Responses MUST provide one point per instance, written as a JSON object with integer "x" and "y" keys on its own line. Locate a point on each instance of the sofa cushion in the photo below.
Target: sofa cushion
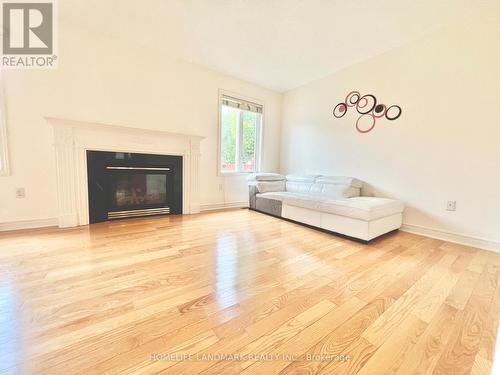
{"x": 266, "y": 177}
{"x": 325, "y": 191}
{"x": 268, "y": 186}
{"x": 276, "y": 195}
{"x": 334, "y": 191}
{"x": 303, "y": 200}
{"x": 302, "y": 177}
{"x": 340, "y": 180}
{"x": 298, "y": 187}
{"x": 329, "y": 187}
{"x": 363, "y": 208}
{"x": 294, "y": 199}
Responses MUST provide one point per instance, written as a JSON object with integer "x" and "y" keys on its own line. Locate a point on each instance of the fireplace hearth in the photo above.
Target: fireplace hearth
{"x": 125, "y": 185}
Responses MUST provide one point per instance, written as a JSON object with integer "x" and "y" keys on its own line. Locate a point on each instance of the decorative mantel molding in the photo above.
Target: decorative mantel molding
{"x": 73, "y": 138}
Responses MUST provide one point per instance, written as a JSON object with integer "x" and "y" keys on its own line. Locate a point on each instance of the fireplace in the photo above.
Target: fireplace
{"x": 124, "y": 185}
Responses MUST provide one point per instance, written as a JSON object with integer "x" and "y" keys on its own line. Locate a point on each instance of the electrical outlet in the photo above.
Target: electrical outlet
{"x": 221, "y": 188}
{"x": 20, "y": 193}
{"x": 451, "y": 206}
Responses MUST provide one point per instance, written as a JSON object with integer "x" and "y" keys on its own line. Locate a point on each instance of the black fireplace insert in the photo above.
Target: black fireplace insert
{"x": 129, "y": 184}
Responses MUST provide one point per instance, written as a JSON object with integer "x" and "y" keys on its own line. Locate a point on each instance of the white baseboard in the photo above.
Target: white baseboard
{"x": 68, "y": 220}
{"x": 461, "y": 239}
{"x": 28, "y": 224}
{"x": 222, "y": 206}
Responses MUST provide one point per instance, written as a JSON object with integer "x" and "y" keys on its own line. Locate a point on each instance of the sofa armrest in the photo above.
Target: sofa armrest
{"x": 252, "y": 192}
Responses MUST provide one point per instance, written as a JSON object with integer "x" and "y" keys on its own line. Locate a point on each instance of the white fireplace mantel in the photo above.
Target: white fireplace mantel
{"x": 73, "y": 138}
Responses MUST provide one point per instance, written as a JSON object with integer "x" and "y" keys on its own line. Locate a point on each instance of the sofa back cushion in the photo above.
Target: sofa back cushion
{"x": 302, "y": 177}
{"x": 340, "y": 180}
{"x": 336, "y": 191}
{"x": 298, "y": 187}
{"x": 300, "y": 183}
{"x": 328, "y": 187}
{"x": 270, "y": 186}
{"x": 265, "y": 177}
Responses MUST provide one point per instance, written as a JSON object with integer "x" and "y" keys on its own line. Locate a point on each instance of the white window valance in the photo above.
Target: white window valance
{"x": 244, "y": 105}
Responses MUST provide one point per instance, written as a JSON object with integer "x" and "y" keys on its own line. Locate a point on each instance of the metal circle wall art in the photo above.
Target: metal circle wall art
{"x": 368, "y": 108}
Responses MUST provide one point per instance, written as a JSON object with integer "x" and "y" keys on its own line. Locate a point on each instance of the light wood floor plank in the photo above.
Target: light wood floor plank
{"x": 106, "y": 297}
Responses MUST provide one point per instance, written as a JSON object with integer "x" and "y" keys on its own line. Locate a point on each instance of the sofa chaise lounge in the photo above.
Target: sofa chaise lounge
{"x": 333, "y": 203}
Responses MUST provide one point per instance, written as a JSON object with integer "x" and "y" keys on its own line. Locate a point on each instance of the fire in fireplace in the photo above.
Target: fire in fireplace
{"x": 128, "y": 184}
{"x": 139, "y": 188}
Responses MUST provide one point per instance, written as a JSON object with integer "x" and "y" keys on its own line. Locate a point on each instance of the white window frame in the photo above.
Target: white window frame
{"x": 258, "y": 143}
{"x": 4, "y": 159}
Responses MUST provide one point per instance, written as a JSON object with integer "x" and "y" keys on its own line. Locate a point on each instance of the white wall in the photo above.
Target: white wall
{"x": 107, "y": 81}
{"x": 445, "y": 146}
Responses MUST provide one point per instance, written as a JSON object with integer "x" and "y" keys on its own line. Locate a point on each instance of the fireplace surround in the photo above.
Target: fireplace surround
{"x": 72, "y": 140}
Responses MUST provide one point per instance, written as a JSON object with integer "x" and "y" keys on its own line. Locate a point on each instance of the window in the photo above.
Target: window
{"x": 240, "y": 127}
{"x": 4, "y": 168}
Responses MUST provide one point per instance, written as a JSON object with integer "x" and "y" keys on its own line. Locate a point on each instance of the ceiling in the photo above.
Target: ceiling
{"x": 278, "y": 44}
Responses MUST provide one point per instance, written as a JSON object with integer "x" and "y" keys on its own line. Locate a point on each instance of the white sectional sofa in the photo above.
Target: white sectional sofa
{"x": 333, "y": 203}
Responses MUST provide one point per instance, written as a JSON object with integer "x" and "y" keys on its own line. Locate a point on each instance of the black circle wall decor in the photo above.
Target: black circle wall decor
{"x": 379, "y": 111}
{"x": 340, "y": 110}
{"x": 370, "y": 104}
{"x": 393, "y": 117}
{"x": 368, "y": 108}
{"x": 352, "y": 98}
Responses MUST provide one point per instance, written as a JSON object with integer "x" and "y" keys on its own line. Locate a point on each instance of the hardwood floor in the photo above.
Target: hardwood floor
{"x": 141, "y": 295}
